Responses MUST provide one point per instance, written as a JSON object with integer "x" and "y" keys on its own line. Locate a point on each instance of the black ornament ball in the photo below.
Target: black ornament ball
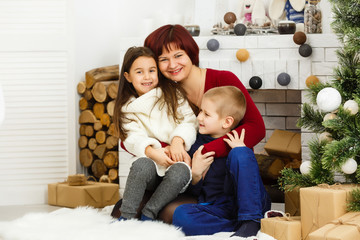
{"x": 305, "y": 50}
{"x": 213, "y": 45}
{"x": 240, "y": 29}
{"x": 283, "y": 79}
{"x": 255, "y": 82}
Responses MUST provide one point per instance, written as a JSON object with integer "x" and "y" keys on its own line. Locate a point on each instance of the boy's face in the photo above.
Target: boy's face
{"x": 209, "y": 120}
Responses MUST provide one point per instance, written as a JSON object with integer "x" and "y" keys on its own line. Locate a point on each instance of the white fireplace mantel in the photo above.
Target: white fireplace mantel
{"x": 270, "y": 55}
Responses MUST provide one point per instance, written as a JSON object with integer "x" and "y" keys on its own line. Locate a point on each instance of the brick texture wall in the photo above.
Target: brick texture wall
{"x": 280, "y": 109}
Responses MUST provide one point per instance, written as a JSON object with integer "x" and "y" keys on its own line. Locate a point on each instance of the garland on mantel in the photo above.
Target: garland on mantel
{"x": 333, "y": 113}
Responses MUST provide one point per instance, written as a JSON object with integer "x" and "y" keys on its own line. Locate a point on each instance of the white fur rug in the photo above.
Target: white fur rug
{"x": 92, "y": 224}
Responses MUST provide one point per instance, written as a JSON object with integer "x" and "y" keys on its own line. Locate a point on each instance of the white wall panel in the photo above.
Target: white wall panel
{"x": 35, "y": 74}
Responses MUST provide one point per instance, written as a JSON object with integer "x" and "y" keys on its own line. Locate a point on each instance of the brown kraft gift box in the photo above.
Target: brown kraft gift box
{"x": 93, "y": 194}
{"x": 282, "y": 228}
{"x": 285, "y": 144}
{"x": 292, "y": 201}
{"x": 347, "y": 227}
{"x": 322, "y": 204}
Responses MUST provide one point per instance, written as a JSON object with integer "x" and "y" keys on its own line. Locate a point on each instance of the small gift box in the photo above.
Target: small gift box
{"x": 282, "y": 228}
{"x": 93, "y": 194}
{"x": 292, "y": 201}
{"x": 344, "y": 228}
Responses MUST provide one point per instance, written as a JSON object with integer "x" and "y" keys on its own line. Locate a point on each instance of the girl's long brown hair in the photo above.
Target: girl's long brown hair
{"x": 171, "y": 93}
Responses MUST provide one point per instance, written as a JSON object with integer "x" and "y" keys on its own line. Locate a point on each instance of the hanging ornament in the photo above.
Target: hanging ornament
{"x": 305, "y": 50}
{"x": 213, "y": 45}
{"x": 329, "y": 116}
{"x": 311, "y": 80}
{"x": 283, "y": 79}
{"x": 229, "y": 17}
{"x": 305, "y": 167}
{"x": 351, "y": 106}
{"x": 328, "y": 99}
{"x": 240, "y": 29}
{"x": 299, "y": 38}
{"x": 255, "y": 82}
{"x": 242, "y": 55}
{"x": 349, "y": 167}
{"x": 325, "y": 136}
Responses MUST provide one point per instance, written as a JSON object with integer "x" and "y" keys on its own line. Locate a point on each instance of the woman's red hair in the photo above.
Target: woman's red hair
{"x": 166, "y": 35}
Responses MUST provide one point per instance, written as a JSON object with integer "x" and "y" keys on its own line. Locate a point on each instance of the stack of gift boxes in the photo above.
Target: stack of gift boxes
{"x": 313, "y": 213}
{"x": 323, "y": 216}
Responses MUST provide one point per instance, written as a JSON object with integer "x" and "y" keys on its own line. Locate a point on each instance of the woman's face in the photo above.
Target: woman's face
{"x": 175, "y": 64}
{"x": 143, "y": 75}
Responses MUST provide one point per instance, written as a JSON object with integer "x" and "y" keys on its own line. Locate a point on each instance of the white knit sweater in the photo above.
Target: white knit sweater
{"x": 151, "y": 124}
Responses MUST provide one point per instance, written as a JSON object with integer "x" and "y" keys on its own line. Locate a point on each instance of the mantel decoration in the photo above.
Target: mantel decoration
{"x": 332, "y": 113}
{"x": 213, "y": 45}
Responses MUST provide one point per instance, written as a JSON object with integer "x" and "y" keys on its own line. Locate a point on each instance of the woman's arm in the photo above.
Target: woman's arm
{"x": 252, "y": 122}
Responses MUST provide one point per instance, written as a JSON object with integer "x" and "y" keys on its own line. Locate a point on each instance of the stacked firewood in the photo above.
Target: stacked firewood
{"x": 98, "y": 143}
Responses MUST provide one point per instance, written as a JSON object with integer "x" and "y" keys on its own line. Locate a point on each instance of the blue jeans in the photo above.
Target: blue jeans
{"x": 250, "y": 199}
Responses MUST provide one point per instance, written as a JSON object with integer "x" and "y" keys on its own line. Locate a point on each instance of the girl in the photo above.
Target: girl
{"x": 146, "y": 112}
{"x": 178, "y": 60}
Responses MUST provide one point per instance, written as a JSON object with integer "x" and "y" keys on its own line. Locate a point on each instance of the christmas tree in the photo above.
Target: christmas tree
{"x": 333, "y": 112}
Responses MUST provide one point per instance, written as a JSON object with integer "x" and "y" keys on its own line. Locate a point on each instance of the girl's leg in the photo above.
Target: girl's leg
{"x": 142, "y": 176}
{"x": 175, "y": 179}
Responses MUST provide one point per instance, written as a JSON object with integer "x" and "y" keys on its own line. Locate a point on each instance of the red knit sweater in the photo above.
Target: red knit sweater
{"x": 252, "y": 121}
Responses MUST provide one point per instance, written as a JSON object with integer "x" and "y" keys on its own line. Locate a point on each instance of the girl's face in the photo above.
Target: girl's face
{"x": 175, "y": 64}
{"x": 143, "y": 75}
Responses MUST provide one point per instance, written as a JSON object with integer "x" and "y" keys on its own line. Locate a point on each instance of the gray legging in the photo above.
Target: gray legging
{"x": 143, "y": 177}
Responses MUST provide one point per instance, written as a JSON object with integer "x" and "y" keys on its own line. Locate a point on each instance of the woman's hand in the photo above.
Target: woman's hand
{"x": 200, "y": 164}
{"x": 234, "y": 140}
{"x": 177, "y": 151}
{"x": 159, "y": 155}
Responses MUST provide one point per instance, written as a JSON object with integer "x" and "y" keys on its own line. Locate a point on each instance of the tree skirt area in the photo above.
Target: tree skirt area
{"x": 93, "y": 224}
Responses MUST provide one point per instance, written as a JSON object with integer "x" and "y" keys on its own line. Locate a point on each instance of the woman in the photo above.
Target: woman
{"x": 178, "y": 61}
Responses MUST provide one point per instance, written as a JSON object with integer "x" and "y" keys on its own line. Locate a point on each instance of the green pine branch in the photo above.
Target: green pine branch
{"x": 311, "y": 119}
{"x": 354, "y": 204}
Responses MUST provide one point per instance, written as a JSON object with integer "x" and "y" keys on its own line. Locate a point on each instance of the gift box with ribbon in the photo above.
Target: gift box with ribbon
{"x": 285, "y": 144}
{"x": 344, "y": 228}
{"x": 94, "y": 194}
{"x": 282, "y": 228}
{"x": 322, "y": 204}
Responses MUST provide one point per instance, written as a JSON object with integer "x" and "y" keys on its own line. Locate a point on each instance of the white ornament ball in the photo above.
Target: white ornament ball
{"x": 349, "y": 167}
{"x": 329, "y": 116}
{"x": 325, "y": 136}
{"x": 328, "y": 99}
{"x": 305, "y": 167}
{"x": 352, "y": 106}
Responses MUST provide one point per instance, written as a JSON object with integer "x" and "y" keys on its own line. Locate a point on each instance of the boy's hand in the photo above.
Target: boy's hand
{"x": 159, "y": 155}
{"x": 234, "y": 140}
{"x": 200, "y": 164}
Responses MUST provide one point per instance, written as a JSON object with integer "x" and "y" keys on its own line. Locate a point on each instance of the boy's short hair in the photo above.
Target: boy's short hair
{"x": 229, "y": 101}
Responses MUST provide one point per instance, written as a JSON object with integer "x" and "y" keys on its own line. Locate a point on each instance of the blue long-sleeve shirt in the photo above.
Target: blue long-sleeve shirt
{"x": 212, "y": 186}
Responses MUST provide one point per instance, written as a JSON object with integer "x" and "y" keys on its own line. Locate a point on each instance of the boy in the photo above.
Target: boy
{"x": 216, "y": 182}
